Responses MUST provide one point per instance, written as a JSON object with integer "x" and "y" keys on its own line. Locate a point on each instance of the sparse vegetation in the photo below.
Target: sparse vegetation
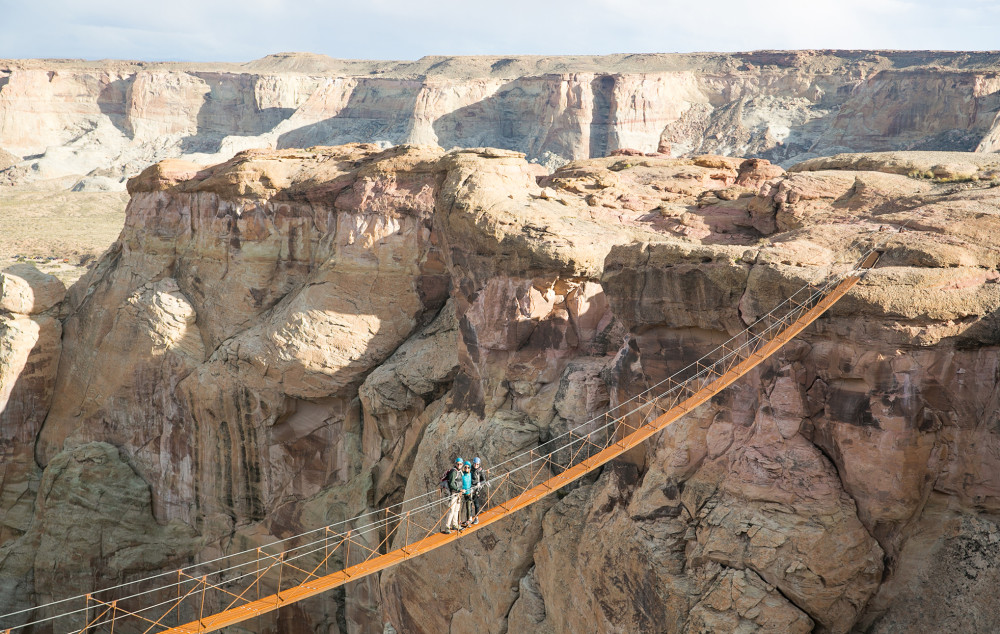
{"x": 60, "y": 232}
{"x": 929, "y": 175}
{"x": 957, "y": 179}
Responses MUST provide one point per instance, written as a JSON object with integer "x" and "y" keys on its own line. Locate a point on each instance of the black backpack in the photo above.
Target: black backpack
{"x": 443, "y": 482}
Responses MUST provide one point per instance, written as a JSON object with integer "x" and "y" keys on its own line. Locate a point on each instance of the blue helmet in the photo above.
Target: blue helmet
{"x": 468, "y": 464}
{"x": 459, "y": 461}
{"x": 476, "y": 460}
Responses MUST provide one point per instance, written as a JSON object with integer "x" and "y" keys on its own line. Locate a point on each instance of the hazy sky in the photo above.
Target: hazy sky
{"x": 228, "y": 30}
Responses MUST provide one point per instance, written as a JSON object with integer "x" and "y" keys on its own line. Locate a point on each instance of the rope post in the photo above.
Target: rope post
{"x": 114, "y": 611}
{"x": 281, "y": 570}
{"x": 258, "y": 586}
{"x": 257, "y": 565}
{"x": 326, "y": 548}
{"x": 178, "y": 610}
{"x": 201, "y": 611}
{"x": 347, "y": 550}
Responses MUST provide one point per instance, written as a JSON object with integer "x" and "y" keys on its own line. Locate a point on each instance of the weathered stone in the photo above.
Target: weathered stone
{"x": 945, "y": 576}
{"x": 944, "y": 165}
{"x": 30, "y": 347}
{"x": 740, "y": 601}
{"x": 26, "y": 290}
{"x": 399, "y": 401}
{"x": 92, "y": 525}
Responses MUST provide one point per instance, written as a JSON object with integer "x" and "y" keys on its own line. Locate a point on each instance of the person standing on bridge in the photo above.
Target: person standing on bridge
{"x": 455, "y": 502}
{"x": 477, "y": 483}
{"x": 466, "y": 491}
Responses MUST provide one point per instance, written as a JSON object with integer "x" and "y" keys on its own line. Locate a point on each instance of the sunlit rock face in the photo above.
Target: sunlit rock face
{"x": 241, "y": 299}
{"x": 30, "y": 333}
{"x": 295, "y": 337}
{"x": 95, "y": 124}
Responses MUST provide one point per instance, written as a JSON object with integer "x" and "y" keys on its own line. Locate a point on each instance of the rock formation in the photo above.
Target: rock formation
{"x": 30, "y": 333}
{"x": 293, "y": 337}
{"x": 91, "y": 125}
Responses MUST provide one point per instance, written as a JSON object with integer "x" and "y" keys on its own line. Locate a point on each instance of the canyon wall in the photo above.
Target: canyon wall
{"x": 92, "y": 125}
{"x": 294, "y": 337}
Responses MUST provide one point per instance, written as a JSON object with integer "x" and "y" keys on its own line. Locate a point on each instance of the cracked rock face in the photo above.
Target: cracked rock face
{"x": 295, "y": 337}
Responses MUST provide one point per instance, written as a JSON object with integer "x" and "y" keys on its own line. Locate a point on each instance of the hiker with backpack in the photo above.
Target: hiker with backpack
{"x": 466, "y": 491}
{"x": 476, "y": 497}
{"x": 454, "y": 482}
{"x": 479, "y": 485}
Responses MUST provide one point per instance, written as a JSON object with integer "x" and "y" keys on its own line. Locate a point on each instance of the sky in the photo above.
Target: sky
{"x": 236, "y": 31}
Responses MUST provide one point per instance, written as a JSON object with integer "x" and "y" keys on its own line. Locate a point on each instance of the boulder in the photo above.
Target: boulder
{"x": 26, "y": 290}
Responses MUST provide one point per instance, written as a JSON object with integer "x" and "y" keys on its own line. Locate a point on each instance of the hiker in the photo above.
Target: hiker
{"x": 478, "y": 477}
{"x": 455, "y": 503}
{"x": 466, "y": 490}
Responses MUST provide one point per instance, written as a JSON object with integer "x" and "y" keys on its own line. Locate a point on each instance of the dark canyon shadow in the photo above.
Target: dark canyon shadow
{"x": 377, "y": 110}
{"x": 113, "y": 103}
{"x": 523, "y": 115}
{"x": 230, "y": 109}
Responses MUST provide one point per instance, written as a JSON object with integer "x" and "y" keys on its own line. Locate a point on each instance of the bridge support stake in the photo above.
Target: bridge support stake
{"x": 201, "y": 611}
{"x": 347, "y": 553}
{"x": 178, "y": 611}
{"x": 281, "y": 569}
{"x": 86, "y": 613}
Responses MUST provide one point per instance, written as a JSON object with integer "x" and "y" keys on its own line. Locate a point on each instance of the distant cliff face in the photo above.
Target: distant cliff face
{"x": 92, "y": 125}
{"x": 298, "y": 336}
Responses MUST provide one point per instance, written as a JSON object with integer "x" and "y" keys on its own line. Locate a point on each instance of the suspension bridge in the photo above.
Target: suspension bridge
{"x": 211, "y": 595}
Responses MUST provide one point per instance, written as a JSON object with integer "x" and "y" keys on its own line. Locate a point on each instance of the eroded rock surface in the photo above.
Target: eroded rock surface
{"x": 293, "y": 337}
{"x": 30, "y": 346}
{"x": 92, "y": 525}
{"x": 92, "y": 125}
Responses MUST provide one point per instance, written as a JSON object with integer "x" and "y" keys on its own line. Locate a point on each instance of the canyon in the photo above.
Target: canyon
{"x": 294, "y": 328}
{"x": 294, "y": 337}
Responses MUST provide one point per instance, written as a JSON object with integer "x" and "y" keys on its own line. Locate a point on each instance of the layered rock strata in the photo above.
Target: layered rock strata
{"x": 91, "y": 125}
{"x": 294, "y": 337}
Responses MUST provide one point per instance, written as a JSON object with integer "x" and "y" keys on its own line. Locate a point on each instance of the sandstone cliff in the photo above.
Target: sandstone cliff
{"x": 297, "y": 336}
{"x": 91, "y": 125}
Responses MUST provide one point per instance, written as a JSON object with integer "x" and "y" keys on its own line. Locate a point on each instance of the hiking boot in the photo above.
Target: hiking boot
{"x": 475, "y": 520}
{"x": 446, "y": 531}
